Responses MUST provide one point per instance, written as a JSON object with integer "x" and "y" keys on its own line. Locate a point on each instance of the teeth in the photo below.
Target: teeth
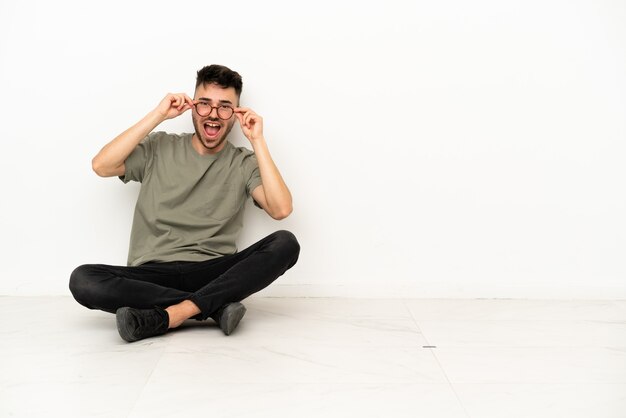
{"x": 215, "y": 125}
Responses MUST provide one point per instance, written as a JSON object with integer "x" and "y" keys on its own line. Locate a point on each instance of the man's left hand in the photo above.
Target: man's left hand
{"x": 251, "y": 123}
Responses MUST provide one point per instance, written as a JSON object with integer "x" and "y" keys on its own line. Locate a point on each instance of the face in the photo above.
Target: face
{"x": 211, "y": 131}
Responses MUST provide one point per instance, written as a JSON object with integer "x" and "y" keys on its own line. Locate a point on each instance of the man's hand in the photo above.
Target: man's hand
{"x": 174, "y": 105}
{"x": 251, "y": 123}
{"x": 110, "y": 161}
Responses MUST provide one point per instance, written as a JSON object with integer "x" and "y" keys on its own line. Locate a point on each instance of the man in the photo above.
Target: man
{"x": 182, "y": 260}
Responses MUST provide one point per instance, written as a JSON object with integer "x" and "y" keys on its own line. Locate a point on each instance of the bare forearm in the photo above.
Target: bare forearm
{"x": 113, "y": 154}
{"x": 277, "y": 196}
{"x": 277, "y": 193}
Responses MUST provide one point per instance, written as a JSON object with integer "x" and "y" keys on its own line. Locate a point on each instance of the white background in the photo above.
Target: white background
{"x": 433, "y": 149}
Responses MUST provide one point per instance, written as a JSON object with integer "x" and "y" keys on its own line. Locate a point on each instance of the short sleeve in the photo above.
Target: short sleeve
{"x": 252, "y": 175}
{"x": 138, "y": 161}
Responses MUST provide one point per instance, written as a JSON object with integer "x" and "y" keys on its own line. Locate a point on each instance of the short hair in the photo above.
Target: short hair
{"x": 220, "y": 75}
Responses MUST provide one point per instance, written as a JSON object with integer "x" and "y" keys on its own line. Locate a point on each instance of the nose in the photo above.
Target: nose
{"x": 211, "y": 112}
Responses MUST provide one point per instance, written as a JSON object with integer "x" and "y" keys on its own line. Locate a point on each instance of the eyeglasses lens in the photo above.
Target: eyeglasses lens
{"x": 223, "y": 112}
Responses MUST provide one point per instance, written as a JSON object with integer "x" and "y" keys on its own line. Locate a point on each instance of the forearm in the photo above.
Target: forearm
{"x": 113, "y": 154}
{"x": 276, "y": 191}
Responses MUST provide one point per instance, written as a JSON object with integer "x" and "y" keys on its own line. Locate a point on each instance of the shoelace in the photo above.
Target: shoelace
{"x": 150, "y": 320}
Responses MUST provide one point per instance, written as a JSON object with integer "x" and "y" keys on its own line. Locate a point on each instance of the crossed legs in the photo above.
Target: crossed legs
{"x": 186, "y": 289}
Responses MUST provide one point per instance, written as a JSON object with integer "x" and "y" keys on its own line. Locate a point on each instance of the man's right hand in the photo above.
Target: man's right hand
{"x": 110, "y": 161}
{"x": 174, "y": 105}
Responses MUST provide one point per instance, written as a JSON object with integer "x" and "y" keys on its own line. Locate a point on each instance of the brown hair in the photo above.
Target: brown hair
{"x": 220, "y": 75}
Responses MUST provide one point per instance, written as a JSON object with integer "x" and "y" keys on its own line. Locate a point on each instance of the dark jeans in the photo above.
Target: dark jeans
{"x": 209, "y": 284}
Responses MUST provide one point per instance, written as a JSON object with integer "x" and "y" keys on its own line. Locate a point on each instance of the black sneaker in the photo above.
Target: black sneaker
{"x": 228, "y": 316}
{"x": 136, "y": 324}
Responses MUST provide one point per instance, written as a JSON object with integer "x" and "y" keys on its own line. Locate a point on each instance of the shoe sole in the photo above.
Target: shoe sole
{"x": 122, "y": 325}
{"x": 233, "y": 314}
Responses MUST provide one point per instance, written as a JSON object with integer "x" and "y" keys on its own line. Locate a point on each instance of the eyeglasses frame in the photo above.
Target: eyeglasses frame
{"x": 195, "y": 105}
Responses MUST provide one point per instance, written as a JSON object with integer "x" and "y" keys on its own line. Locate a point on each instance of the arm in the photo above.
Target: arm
{"x": 110, "y": 160}
{"x": 273, "y": 195}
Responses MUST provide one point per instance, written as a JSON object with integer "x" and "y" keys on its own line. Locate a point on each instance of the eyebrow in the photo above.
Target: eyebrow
{"x": 206, "y": 99}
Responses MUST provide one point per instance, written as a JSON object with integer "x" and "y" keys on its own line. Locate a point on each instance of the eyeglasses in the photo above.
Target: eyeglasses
{"x": 223, "y": 112}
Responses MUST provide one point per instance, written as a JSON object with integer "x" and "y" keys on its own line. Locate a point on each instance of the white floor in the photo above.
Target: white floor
{"x": 321, "y": 357}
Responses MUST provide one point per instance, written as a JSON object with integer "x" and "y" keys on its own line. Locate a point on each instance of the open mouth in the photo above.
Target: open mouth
{"x": 212, "y": 129}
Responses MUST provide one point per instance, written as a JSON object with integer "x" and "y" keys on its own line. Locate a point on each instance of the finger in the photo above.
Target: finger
{"x": 183, "y": 99}
{"x": 242, "y": 117}
{"x": 242, "y": 109}
{"x": 242, "y": 123}
{"x": 239, "y": 118}
{"x": 174, "y": 101}
{"x": 247, "y": 113}
{"x": 249, "y": 118}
